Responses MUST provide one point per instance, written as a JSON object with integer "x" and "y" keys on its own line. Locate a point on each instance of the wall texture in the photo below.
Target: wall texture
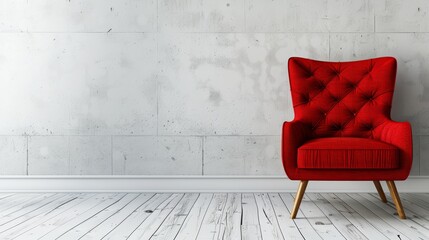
{"x": 184, "y": 87}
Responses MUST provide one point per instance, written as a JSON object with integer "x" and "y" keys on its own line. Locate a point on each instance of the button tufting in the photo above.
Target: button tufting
{"x": 337, "y": 127}
{"x": 305, "y": 99}
{"x": 369, "y": 97}
{"x": 368, "y": 127}
{"x": 350, "y": 96}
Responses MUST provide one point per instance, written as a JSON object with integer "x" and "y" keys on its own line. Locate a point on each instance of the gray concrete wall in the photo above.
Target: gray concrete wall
{"x": 184, "y": 87}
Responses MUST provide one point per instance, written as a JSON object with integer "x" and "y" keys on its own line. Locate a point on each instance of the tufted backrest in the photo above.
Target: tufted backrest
{"x": 342, "y": 99}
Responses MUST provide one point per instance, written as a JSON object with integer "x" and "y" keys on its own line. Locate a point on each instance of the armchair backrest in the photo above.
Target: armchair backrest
{"x": 342, "y": 99}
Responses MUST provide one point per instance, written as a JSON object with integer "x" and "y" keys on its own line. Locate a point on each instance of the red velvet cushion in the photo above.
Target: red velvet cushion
{"x": 347, "y": 153}
{"x": 342, "y": 99}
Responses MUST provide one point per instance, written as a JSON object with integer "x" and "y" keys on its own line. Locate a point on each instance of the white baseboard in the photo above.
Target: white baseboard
{"x": 190, "y": 184}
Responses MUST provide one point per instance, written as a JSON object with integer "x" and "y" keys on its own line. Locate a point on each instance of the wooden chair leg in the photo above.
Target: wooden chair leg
{"x": 395, "y": 195}
{"x": 298, "y": 198}
{"x": 380, "y": 191}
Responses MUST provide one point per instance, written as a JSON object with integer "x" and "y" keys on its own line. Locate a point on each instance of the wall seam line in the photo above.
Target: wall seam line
{"x": 27, "y": 156}
{"x": 202, "y": 154}
{"x": 245, "y": 17}
{"x": 157, "y": 84}
{"x": 111, "y": 154}
{"x": 329, "y": 46}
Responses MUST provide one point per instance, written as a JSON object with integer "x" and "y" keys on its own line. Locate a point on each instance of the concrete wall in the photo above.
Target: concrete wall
{"x": 184, "y": 87}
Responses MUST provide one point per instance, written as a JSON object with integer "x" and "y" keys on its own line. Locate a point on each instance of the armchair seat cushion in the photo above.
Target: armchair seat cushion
{"x": 347, "y": 153}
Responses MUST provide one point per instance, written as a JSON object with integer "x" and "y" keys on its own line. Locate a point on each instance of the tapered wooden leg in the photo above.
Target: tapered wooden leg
{"x": 380, "y": 191}
{"x": 298, "y": 198}
{"x": 395, "y": 195}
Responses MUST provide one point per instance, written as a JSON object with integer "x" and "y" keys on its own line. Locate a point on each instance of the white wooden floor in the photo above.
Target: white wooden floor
{"x": 209, "y": 216}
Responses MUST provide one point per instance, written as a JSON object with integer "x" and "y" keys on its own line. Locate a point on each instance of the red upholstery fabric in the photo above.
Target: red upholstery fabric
{"x": 347, "y": 153}
{"x": 344, "y": 99}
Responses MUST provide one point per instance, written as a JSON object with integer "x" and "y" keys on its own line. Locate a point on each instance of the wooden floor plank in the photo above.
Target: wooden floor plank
{"x": 172, "y": 224}
{"x": 414, "y": 212}
{"x": 154, "y": 221}
{"x": 22, "y": 206}
{"x": 411, "y": 202}
{"x": 211, "y": 222}
{"x": 250, "y": 227}
{"x": 417, "y": 199}
{"x": 137, "y": 217}
{"x": 287, "y": 225}
{"x": 354, "y": 217}
{"x": 7, "y": 199}
{"x": 10, "y": 219}
{"x": 11, "y": 201}
{"x": 24, "y": 226}
{"x": 410, "y": 222}
{"x": 304, "y": 226}
{"x": 34, "y": 232}
{"x": 390, "y": 207}
{"x": 234, "y": 216}
{"x": 231, "y": 218}
{"x": 269, "y": 226}
{"x": 344, "y": 226}
{"x": 379, "y": 223}
{"x": 43, "y": 210}
{"x": 189, "y": 229}
{"x": 423, "y": 198}
{"x": 58, "y": 225}
{"x": 5, "y": 195}
{"x": 319, "y": 221}
{"x": 389, "y": 216}
{"x": 112, "y": 222}
{"x": 78, "y": 231}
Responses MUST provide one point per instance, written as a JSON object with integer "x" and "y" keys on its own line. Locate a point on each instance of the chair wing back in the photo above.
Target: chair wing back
{"x": 342, "y": 99}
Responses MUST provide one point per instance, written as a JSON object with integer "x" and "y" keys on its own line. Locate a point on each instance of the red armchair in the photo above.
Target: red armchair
{"x": 342, "y": 128}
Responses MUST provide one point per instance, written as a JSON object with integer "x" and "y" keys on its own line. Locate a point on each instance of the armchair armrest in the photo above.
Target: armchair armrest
{"x": 294, "y": 134}
{"x": 398, "y": 134}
